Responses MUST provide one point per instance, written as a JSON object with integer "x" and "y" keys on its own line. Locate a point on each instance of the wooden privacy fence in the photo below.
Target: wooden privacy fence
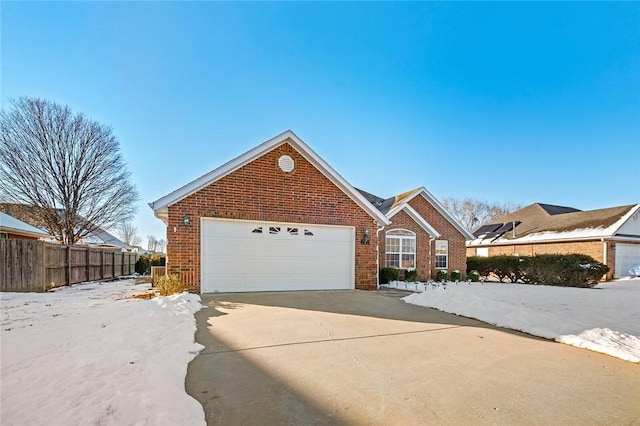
{"x": 157, "y": 272}
{"x": 29, "y": 265}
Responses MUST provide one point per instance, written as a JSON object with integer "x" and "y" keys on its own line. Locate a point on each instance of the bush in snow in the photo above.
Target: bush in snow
{"x": 170, "y": 284}
{"x": 411, "y": 275}
{"x": 567, "y": 270}
{"x": 442, "y": 276}
{"x": 456, "y": 275}
{"x": 570, "y": 270}
{"x": 388, "y": 274}
{"x": 474, "y": 276}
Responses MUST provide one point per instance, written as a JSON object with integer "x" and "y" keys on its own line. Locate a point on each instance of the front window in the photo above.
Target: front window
{"x": 442, "y": 254}
{"x": 400, "y": 249}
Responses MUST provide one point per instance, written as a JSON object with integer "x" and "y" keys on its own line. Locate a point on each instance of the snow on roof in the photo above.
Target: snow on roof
{"x": 11, "y": 224}
{"x": 540, "y": 224}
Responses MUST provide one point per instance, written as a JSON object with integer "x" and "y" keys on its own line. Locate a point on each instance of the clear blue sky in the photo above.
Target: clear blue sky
{"x": 507, "y": 102}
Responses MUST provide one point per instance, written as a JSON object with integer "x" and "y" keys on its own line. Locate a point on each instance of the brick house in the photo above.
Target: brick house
{"x": 611, "y": 236}
{"x": 278, "y": 217}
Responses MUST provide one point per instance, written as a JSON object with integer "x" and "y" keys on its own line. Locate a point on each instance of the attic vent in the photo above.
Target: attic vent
{"x": 286, "y": 163}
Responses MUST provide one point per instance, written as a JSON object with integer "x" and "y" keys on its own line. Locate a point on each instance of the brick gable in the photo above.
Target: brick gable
{"x": 260, "y": 190}
{"x": 457, "y": 241}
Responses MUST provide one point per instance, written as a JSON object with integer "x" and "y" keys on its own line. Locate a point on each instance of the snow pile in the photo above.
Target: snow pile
{"x": 91, "y": 354}
{"x": 605, "y": 318}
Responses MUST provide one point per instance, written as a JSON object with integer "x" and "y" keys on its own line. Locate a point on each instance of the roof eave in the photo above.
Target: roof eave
{"x": 23, "y": 232}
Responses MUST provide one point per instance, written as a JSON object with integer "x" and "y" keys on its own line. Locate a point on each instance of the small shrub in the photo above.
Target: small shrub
{"x": 388, "y": 274}
{"x": 442, "y": 275}
{"x": 157, "y": 260}
{"x": 142, "y": 265}
{"x": 169, "y": 284}
{"x": 474, "y": 276}
{"x": 456, "y": 276}
{"x": 411, "y": 275}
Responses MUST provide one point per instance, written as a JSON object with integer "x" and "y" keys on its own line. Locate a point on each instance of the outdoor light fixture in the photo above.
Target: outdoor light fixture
{"x": 365, "y": 236}
{"x": 185, "y": 220}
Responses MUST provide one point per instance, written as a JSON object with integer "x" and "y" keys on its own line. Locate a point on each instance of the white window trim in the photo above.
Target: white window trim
{"x": 389, "y": 234}
{"x": 446, "y": 255}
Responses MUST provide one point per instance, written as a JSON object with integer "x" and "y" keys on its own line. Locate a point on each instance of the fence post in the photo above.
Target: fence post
{"x": 68, "y": 264}
{"x": 88, "y": 265}
{"x": 43, "y": 246}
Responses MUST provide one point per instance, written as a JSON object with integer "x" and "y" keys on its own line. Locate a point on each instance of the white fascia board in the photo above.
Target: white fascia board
{"x": 23, "y": 232}
{"x": 416, "y": 217}
{"x": 258, "y": 151}
{"x": 337, "y": 179}
{"x": 620, "y": 223}
{"x": 161, "y": 213}
{"x": 443, "y": 211}
{"x": 9, "y": 223}
{"x": 220, "y": 172}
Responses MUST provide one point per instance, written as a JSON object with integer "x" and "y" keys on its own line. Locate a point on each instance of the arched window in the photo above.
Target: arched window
{"x": 400, "y": 249}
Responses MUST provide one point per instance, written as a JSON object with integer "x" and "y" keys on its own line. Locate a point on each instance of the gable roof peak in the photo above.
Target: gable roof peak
{"x": 160, "y": 207}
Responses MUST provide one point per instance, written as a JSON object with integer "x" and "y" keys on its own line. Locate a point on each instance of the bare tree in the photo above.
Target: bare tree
{"x": 129, "y": 233}
{"x": 161, "y": 245}
{"x": 472, "y": 213}
{"x": 65, "y": 167}
{"x": 152, "y": 243}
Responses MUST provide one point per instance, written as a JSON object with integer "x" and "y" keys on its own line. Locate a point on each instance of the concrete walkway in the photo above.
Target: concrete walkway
{"x": 356, "y": 357}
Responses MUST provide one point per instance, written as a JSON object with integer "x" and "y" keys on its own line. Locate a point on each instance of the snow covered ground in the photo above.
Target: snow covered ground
{"x": 92, "y": 355}
{"x": 604, "y": 319}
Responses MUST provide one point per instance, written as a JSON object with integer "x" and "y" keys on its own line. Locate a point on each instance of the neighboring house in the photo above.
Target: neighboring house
{"x": 102, "y": 238}
{"x": 280, "y": 218}
{"x": 611, "y": 236}
{"x": 10, "y": 227}
{"x": 98, "y": 238}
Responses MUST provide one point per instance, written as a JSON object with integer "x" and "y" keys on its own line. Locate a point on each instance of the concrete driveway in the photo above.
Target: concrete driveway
{"x": 356, "y": 357}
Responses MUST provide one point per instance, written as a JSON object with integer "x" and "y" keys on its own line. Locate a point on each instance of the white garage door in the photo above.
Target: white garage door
{"x": 627, "y": 255}
{"x": 266, "y": 256}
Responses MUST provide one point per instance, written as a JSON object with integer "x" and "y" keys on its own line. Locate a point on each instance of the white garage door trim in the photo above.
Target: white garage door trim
{"x": 242, "y": 256}
{"x": 627, "y": 255}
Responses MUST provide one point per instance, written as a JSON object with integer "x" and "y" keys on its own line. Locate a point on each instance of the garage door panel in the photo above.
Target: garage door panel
{"x": 627, "y": 255}
{"x": 262, "y": 256}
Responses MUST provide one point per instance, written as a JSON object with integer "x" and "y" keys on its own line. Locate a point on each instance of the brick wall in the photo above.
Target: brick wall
{"x": 457, "y": 241}
{"x": 261, "y": 191}
{"x": 425, "y": 249}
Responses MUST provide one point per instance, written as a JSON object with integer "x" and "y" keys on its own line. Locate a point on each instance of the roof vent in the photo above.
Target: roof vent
{"x": 286, "y": 163}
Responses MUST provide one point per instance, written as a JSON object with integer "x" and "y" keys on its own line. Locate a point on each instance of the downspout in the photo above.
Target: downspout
{"x": 604, "y": 253}
{"x": 378, "y": 257}
{"x": 431, "y": 240}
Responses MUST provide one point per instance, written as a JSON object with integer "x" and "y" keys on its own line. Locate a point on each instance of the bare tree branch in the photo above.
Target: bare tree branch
{"x": 66, "y": 166}
{"x": 152, "y": 243}
{"x": 474, "y": 213}
{"x": 129, "y": 233}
